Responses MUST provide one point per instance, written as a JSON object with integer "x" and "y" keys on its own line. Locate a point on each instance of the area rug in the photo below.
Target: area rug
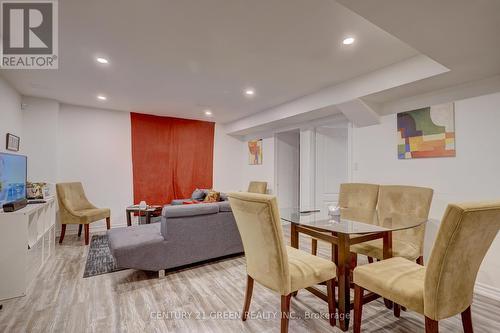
{"x": 99, "y": 259}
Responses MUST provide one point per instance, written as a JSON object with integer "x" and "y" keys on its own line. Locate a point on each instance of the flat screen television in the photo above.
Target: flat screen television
{"x": 13, "y": 171}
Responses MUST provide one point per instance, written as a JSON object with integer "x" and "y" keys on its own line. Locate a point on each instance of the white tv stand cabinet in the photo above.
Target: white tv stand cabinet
{"x": 27, "y": 242}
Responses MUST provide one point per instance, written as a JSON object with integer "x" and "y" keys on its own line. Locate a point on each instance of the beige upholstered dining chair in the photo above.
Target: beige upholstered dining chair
{"x": 409, "y": 244}
{"x": 354, "y": 195}
{"x": 257, "y": 187}
{"x": 445, "y": 287}
{"x": 358, "y": 195}
{"x": 75, "y": 208}
{"x": 281, "y": 268}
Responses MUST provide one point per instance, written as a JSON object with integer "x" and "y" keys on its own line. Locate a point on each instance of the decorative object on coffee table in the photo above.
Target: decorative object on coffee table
{"x": 12, "y": 142}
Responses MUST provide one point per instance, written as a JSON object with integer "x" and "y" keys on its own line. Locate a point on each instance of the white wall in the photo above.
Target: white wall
{"x": 231, "y": 169}
{"x": 471, "y": 175}
{"x": 10, "y": 114}
{"x": 40, "y": 127}
{"x": 227, "y": 157}
{"x": 287, "y": 165}
{"x": 95, "y": 148}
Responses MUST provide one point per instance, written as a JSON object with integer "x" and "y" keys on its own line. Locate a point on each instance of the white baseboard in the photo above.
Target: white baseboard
{"x": 72, "y": 229}
{"x": 99, "y": 228}
{"x": 487, "y": 291}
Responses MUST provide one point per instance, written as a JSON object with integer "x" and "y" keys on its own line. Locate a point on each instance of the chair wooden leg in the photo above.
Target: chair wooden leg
{"x": 87, "y": 233}
{"x": 285, "y": 312}
{"x": 80, "y": 227}
{"x": 248, "y": 298}
{"x": 108, "y": 223}
{"x": 467, "y": 321}
{"x": 314, "y": 246}
{"x": 388, "y": 303}
{"x": 397, "y": 310}
{"x": 431, "y": 326}
{"x": 63, "y": 231}
{"x": 330, "y": 291}
{"x": 420, "y": 260}
{"x": 370, "y": 260}
{"x": 358, "y": 308}
{"x": 354, "y": 260}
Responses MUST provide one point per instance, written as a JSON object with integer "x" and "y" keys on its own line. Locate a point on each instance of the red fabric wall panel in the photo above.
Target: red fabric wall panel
{"x": 171, "y": 157}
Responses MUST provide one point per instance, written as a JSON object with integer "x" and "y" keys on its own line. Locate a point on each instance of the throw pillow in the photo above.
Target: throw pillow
{"x": 212, "y": 196}
{"x": 198, "y": 194}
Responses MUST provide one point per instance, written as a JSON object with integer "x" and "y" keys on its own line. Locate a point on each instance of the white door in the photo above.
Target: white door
{"x": 287, "y": 147}
{"x": 331, "y": 165}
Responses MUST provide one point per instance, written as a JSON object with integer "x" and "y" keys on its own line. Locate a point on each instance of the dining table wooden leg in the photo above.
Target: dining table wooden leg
{"x": 294, "y": 236}
{"x": 314, "y": 246}
{"x": 387, "y": 253}
{"x": 344, "y": 281}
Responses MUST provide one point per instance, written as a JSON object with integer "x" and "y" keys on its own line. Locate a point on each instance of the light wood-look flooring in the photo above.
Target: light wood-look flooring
{"x": 134, "y": 301}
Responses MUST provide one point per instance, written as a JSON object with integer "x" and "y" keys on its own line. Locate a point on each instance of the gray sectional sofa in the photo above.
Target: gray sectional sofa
{"x": 187, "y": 234}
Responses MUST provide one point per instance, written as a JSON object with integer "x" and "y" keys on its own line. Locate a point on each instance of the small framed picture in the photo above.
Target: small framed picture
{"x": 12, "y": 142}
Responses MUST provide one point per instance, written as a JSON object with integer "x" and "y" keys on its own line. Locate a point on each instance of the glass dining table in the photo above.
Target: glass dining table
{"x": 352, "y": 226}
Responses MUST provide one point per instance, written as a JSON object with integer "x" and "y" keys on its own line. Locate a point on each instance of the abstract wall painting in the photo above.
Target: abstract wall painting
{"x": 427, "y": 132}
{"x": 255, "y": 152}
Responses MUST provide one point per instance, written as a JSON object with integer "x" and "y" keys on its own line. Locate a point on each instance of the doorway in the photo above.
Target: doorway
{"x": 287, "y": 170}
{"x": 331, "y": 164}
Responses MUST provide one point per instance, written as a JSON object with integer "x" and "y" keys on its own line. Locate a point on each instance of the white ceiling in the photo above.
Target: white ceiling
{"x": 179, "y": 57}
{"x": 459, "y": 34}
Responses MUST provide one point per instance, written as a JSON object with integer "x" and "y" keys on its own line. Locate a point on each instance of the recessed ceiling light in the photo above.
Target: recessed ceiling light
{"x": 208, "y": 113}
{"x": 249, "y": 92}
{"x": 101, "y": 97}
{"x": 102, "y": 60}
{"x": 348, "y": 41}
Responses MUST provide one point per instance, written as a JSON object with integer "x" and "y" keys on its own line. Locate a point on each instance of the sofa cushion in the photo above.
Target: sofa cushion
{"x": 132, "y": 237}
{"x": 224, "y": 206}
{"x": 190, "y": 210}
{"x": 137, "y": 246}
{"x": 178, "y": 201}
{"x": 198, "y": 195}
{"x": 223, "y": 196}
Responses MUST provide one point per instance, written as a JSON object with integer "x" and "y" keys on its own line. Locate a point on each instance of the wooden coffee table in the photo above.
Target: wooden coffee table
{"x": 148, "y": 212}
